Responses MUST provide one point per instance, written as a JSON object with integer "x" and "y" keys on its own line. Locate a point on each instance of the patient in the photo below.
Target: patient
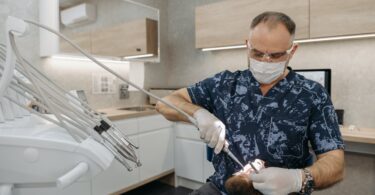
{"x": 240, "y": 183}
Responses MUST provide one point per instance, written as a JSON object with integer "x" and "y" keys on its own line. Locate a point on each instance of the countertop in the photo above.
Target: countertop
{"x": 361, "y": 135}
{"x": 116, "y": 113}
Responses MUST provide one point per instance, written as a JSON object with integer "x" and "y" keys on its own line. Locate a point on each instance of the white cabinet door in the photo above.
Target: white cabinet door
{"x": 188, "y": 131}
{"x": 116, "y": 177}
{"x": 153, "y": 122}
{"x": 189, "y": 158}
{"x": 156, "y": 152}
{"x": 127, "y": 126}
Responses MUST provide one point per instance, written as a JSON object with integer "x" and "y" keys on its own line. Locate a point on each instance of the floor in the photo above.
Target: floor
{"x": 158, "y": 188}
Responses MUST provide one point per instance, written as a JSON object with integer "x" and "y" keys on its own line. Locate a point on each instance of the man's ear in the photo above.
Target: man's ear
{"x": 295, "y": 47}
{"x": 247, "y": 43}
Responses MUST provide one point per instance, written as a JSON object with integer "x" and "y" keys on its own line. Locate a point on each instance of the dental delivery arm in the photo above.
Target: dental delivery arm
{"x": 77, "y": 119}
{"x": 328, "y": 169}
{"x": 21, "y": 81}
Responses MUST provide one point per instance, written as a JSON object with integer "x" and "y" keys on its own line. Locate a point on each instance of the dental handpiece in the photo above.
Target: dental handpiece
{"x": 235, "y": 159}
{"x": 232, "y": 156}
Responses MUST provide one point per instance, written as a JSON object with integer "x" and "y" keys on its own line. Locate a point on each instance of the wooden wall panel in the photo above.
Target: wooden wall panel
{"x": 227, "y": 23}
{"x": 82, "y": 39}
{"x": 127, "y": 39}
{"x": 341, "y": 17}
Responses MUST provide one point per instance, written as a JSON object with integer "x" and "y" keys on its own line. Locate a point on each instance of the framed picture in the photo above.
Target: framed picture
{"x": 322, "y": 76}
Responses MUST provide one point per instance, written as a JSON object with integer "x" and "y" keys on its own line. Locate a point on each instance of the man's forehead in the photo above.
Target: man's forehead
{"x": 264, "y": 37}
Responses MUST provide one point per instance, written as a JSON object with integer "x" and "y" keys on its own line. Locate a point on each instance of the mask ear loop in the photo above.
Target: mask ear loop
{"x": 247, "y": 53}
{"x": 289, "y": 51}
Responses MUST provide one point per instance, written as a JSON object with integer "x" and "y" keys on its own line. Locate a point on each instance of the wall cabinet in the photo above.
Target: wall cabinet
{"x": 128, "y": 39}
{"x": 82, "y": 39}
{"x": 341, "y": 17}
{"x": 227, "y": 23}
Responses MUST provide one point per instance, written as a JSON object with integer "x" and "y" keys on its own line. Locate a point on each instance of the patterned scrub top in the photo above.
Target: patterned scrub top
{"x": 276, "y": 128}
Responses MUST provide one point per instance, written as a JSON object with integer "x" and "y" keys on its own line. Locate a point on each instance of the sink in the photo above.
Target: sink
{"x": 138, "y": 108}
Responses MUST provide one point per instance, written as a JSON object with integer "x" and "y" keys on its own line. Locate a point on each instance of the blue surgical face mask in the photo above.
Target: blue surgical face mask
{"x": 266, "y": 72}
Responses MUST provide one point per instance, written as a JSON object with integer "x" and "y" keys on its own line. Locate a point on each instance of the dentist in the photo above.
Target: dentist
{"x": 267, "y": 112}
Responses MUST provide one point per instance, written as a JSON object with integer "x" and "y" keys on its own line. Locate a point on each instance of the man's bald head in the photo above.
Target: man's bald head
{"x": 272, "y": 19}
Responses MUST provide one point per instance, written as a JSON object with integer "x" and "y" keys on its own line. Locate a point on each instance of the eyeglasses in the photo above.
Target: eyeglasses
{"x": 254, "y": 53}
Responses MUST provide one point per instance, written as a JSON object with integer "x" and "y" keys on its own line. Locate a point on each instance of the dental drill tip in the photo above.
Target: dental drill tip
{"x": 234, "y": 158}
{"x": 130, "y": 169}
{"x": 139, "y": 163}
{"x": 255, "y": 169}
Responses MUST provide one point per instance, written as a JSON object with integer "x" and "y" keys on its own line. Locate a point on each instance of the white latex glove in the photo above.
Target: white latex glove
{"x": 280, "y": 181}
{"x": 211, "y": 129}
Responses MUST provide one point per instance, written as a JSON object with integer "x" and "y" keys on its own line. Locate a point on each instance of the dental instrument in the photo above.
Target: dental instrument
{"x": 233, "y": 157}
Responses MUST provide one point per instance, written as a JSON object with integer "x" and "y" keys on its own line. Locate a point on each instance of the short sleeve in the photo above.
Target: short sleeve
{"x": 204, "y": 92}
{"x": 201, "y": 93}
{"x": 324, "y": 132}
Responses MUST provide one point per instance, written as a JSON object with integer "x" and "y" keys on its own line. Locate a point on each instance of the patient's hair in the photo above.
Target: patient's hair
{"x": 240, "y": 185}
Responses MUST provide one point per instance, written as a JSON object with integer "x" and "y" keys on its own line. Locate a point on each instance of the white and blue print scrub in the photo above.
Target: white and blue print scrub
{"x": 276, "y": 127}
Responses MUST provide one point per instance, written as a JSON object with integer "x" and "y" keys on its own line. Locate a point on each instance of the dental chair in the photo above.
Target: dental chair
{"x": 47, "y": 153}
{"x": 37, "y": 154}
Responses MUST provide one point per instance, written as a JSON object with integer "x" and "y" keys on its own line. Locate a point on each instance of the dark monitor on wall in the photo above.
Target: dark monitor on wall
{"x": 322, "y": 76}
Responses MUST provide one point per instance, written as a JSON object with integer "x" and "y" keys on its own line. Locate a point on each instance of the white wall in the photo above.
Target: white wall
{"x": 73, "y": 74}
{"x": 22, "y": 9}
{"x": 353, "y": 71}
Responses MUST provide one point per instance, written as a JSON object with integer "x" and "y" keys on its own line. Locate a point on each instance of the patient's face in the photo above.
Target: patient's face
{"x": 240, "y": 183}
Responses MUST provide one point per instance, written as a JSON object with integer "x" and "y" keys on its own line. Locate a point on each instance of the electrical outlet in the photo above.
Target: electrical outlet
{"x": 103, "y": 83}
{"x": 124, "y": 91}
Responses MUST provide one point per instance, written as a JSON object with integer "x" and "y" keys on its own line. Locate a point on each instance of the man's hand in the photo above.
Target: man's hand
{"x": 211, "y": 129}
{"x": 280, "y": 181}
